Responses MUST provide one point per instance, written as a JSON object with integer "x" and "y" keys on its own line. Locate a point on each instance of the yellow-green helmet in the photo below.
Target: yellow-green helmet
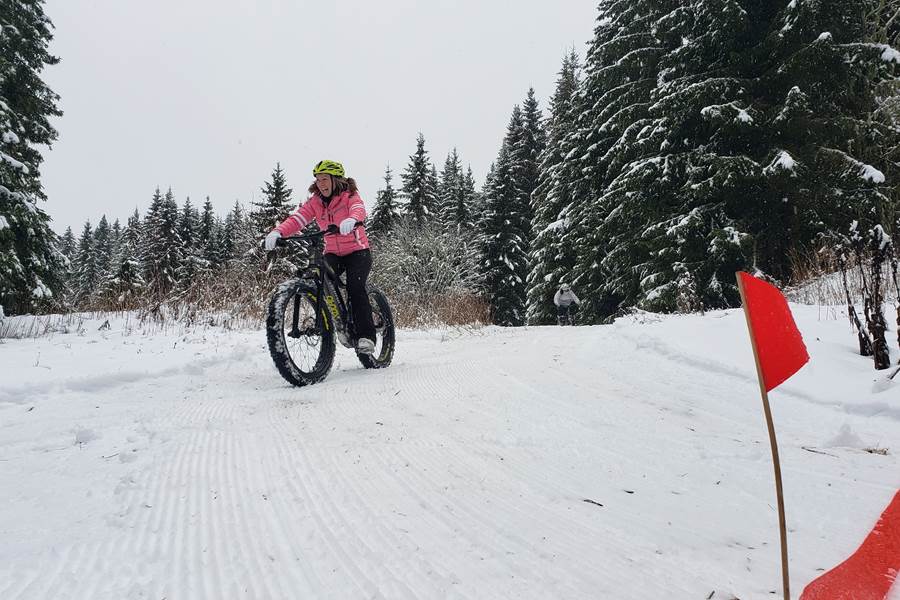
{"x": 331, "y": 167}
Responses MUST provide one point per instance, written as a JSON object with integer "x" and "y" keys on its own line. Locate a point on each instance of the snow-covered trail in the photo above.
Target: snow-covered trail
{"x": 624, "y": 461}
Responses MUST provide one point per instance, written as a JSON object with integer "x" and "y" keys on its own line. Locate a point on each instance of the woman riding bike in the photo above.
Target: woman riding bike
{"x": 335, "y": 200}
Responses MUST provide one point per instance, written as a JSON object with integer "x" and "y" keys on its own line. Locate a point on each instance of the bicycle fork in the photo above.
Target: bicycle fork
{"x": 295, "y": 332}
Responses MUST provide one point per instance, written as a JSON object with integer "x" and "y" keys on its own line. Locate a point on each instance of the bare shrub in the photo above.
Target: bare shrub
{"x": 818, "y": 281}
{"x": 430, "y": 276}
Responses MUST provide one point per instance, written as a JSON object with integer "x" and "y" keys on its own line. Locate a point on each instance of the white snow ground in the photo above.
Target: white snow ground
{"x": 626, "y": 462}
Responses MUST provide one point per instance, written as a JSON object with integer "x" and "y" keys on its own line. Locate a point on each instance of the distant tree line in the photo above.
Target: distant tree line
{"x": 695, "y": 139}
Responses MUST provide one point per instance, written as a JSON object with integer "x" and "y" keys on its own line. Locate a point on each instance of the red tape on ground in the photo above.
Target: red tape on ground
{"x": 870, "y": 572}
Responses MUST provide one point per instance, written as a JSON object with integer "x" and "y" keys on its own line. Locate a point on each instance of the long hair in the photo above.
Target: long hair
{"x": 339, "y": 186}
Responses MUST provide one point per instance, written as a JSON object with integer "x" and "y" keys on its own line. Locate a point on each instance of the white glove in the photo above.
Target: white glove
{"x": 347, "y": 225}
{"x": 272, "y": 239}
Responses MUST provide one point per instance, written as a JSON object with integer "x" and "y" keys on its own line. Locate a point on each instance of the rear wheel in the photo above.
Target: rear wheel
{"x": 302, "y": 352}
{"x": 384, "y": 332}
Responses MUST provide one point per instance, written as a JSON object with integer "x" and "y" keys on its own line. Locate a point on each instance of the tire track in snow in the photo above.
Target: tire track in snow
{"x": 201, "y": 457}
{"x": 425, "y": 384}
{"x": 332, "y": 523}
{"x": 462, "y": 457}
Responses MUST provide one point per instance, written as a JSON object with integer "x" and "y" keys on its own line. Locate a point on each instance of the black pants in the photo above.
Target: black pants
{"x": 357, "y": 266}
{"x": 568, "y": 310}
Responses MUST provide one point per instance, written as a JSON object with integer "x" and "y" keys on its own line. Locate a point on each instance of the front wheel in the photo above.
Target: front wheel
{"x": 301, "y": 350}
{"x": 384, "y": 332}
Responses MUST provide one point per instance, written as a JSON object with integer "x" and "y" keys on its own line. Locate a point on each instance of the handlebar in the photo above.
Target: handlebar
{"x": 313, "y": 235}
{"x": 330, "y": 230}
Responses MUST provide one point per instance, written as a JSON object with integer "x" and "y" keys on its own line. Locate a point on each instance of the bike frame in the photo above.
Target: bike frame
{"x": 329, "y": 286}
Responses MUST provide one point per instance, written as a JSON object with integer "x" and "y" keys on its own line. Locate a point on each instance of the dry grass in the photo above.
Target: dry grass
{"x": 821, "y": 281}
{"x": 448, "y": 310}
{"x": 236, "y": 300}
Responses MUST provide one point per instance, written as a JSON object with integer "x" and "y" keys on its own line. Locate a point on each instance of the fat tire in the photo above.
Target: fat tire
{"x": 278, "y": 347}
{"x": 385, "y": 336}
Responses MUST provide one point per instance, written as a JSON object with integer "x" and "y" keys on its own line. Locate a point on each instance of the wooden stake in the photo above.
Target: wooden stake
{"x": 785, "y": 577}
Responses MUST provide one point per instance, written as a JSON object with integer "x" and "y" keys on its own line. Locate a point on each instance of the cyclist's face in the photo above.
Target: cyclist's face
{"x": 324, "y": 183}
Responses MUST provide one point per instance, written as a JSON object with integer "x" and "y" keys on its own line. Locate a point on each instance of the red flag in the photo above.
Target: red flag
{"x": 870, "y": 572}
{"x": 776, "y": 340}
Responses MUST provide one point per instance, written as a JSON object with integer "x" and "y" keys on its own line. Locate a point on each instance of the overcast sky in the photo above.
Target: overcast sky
{"x": 204, "y": 96}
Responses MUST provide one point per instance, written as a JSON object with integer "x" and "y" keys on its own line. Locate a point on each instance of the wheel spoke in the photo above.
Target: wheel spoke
{"x": 302, "y": 340}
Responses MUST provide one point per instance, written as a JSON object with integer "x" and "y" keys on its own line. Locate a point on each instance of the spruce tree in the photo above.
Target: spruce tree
{"x": 385, "y": 213}
{"x": 449, "y": 189}
{"x": 192, "y": 261}
{"x": 216, "y": 252}
{"x": 238, "y": 236}
{"x": 508, "y": 212}
{"x": 189, "y": 226}
{"x": 208, "y": 236}
{"x": 609, "y": 108}
{"x": 467, "y": 207}
{"x": 103, "y": 251}
{"x": 534, "y": 143}
{"x": 31, "y": 266}
{"x": 713, "y": 137}
{"x": 67, "y": 244}
{"x": 207, "y": 220}
{"x": 458, "y": 196}
{"x": 505, "y": 227}
{"x": 86, "y": 278}
{"x": 161, "y": 252}
{"x": 275, "y": 205}
{"x": 552, "y": 253}
{"x": 419, "y": 186}
{"x": 125, "y": 288}
{"x": 115, "y": 238}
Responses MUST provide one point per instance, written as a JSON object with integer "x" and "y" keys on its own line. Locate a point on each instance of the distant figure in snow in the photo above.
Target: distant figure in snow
{"x": 566, "y": 304}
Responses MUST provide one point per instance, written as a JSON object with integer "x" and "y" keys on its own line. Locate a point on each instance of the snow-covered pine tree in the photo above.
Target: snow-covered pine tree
{"x": 215, "y": 252}
{"x": 189, "y": 226}
{"x": 458, "y": 196}
{"x": 434, "y": 184}
{"x": 534, "y": 143}
{"x": 192, "y": 262}
{"x": 209, "y": 236}
{"x": 469, "y": 203}
{"x": 450, "y": 191}
{"x": 125, "y": 288}
{"x": 418, "y": 191}
{"x": 86, "y": 278}
{"x": 68, "y": 247}
{"x": 148, "y": 234}
{"x": 275, "y": 205}
{"x": 161, "y": 251}
{"x": 31, "y": 267}
{"x": 67, "y": 244}
{"x": 832, "y": 140}
{"x": 742, "y": 151}
{"x": 505, "y": 224}
{"x": 386, "y": 212}
{"x": 115, "y": 238}
{"x": 552, "y": 255}
{"x": 486, "y": 191}
{"x": 103, "y": 252}
{"x": 883, "y": 29}
{"x": 238, "y": 237}
{"x": 609, "y": 108}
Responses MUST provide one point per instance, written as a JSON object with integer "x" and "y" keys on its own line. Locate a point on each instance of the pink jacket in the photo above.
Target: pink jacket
{"x": 339, "y": 208}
